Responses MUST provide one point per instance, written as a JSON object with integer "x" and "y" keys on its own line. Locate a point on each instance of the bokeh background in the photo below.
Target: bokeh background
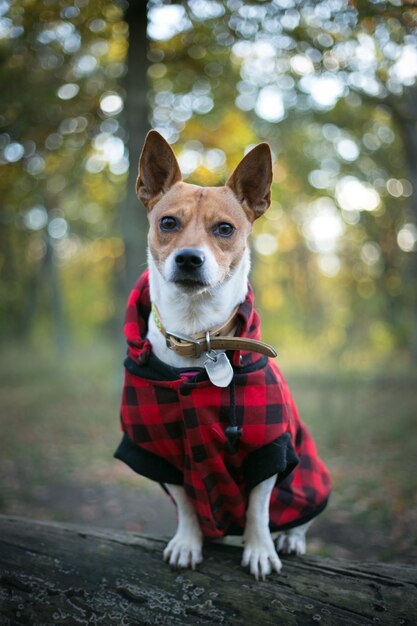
{"x": 331, "y": 85}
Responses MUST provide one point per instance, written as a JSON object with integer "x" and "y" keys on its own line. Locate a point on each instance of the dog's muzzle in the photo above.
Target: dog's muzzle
{"x": 189, "y": 268}
{"x": 189, "y": 260}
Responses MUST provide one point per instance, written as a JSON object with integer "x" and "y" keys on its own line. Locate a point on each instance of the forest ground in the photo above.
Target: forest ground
{"x": 59, "y": 429}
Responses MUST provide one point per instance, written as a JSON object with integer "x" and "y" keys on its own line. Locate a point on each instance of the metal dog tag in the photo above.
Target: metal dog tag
{"x": 218, "y": 368}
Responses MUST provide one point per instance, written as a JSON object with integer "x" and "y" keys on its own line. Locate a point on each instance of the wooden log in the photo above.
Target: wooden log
{"x": 68, "y": 574}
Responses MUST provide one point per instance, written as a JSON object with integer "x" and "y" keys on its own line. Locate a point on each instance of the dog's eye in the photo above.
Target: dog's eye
{"x": 223, "y": 229}
{"x": 169, "y": 223}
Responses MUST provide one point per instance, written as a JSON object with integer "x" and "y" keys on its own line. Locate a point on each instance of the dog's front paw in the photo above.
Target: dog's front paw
{"x": 260, "y": 554}
{"x": 184, "y": 550}
{"x": 292, "y": 543}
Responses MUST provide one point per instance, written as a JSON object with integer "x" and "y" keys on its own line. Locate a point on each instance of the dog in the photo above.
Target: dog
{"x": 205, "y": 409}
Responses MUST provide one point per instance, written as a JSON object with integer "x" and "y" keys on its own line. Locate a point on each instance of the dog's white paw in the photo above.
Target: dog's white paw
{"x": 184, "y": 550}
{"x": 292, "y": 542}
{"x": 260, "y": 554}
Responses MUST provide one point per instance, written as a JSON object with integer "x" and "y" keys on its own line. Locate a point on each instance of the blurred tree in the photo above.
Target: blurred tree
{"x": 62, "y": 149}
{"x": 330, "y": 85}
{"x": 326, "y": 84}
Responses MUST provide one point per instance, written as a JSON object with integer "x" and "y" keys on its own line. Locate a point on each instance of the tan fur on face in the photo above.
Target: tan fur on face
{"x": 199, "y": 210}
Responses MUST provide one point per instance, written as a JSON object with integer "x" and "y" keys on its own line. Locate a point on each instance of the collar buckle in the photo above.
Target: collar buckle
{"x": 183, "y": 338}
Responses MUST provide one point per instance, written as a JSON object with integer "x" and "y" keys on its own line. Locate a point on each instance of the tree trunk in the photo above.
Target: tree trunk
{"x": 134, "y": 223}
{"x": 405, "y": 115}
{"x": 52, "y": 283}
{"x": 67, "y": 574}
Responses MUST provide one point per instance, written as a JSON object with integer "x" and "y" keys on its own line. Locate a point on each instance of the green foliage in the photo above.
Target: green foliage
{"x": 331, "y": 87}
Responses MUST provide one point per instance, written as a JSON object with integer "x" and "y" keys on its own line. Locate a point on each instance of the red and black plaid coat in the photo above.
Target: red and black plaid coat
{"x": 174, "y": 430}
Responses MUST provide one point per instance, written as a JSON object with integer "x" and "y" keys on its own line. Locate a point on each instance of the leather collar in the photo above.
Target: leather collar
{"x": 217, "y": 338}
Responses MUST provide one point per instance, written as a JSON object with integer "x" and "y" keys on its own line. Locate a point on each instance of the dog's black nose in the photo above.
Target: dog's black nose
{"x": 189, "y": 259}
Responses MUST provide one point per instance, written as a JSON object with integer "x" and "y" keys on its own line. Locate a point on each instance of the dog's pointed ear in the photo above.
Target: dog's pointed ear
{"x": 251, "y": 181}
{"x": 158, "y": 169}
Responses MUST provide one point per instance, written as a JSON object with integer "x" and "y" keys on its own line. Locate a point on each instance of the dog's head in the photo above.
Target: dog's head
{"x": 198, "y": 235}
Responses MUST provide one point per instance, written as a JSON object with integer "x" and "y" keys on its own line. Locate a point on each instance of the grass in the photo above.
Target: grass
{"x": 59, "y": 428}
{"x": 59, "y": 418}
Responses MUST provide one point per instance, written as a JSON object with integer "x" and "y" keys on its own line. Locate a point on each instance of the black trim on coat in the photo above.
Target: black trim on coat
{"x": 147, "y": 463}
{"x": 155, "y": 369}
{"x": 278, "y": 457}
